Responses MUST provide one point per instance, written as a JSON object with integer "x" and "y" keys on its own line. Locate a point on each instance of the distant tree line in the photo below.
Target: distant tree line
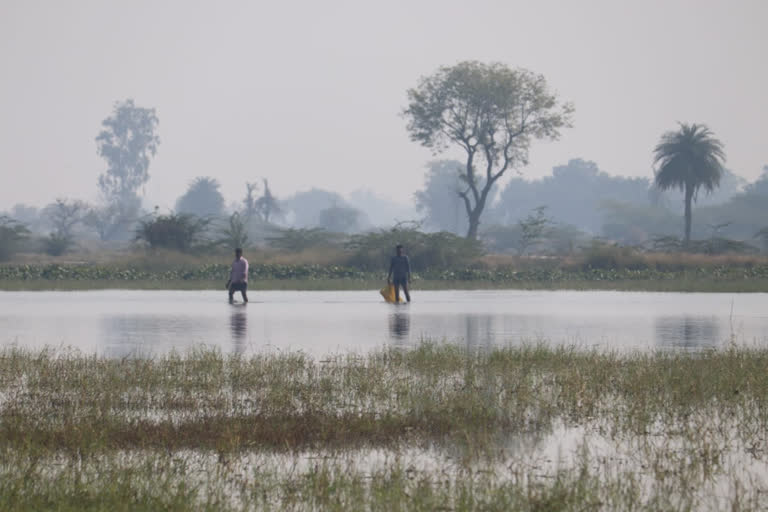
{"x": 489, "y": 113}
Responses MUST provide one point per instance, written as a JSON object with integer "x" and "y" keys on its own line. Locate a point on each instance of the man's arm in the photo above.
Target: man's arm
{"x": 391, "y": 266}
{"x": 408, "y": 267}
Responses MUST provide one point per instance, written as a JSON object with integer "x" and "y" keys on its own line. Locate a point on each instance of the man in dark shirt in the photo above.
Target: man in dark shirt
{"x": 400, "y": 269}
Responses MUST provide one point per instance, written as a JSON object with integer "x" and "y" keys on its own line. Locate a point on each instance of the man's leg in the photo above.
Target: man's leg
{"x": 405, "y": 290}
{"x": 232, "y": 293}
{"x": 396, "y": 283}
{"x": 244, "y": 292}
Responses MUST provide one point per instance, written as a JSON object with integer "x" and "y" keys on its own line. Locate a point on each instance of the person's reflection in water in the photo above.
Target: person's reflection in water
{"x": 399, "y": 325}
{"x": 238, "y": 324}
{"x": 688, "y": 332}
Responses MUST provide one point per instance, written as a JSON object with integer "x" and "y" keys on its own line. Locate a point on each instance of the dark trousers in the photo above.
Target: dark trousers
{"x": 241, "y": 287}
{"x": 398, "y": 282}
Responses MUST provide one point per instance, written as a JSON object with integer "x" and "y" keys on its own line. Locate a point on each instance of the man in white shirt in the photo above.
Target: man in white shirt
{"x": 238, "y": 276}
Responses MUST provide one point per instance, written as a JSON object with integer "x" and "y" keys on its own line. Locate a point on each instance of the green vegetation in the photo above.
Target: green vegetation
{"x": 371, "y": 251}
{"x": 180, "y": 231}
{"x": 689, "y": 159}
{"x": 492, "y": 113}
{"x": 456, "y": 263}
{"x": 602, "y": 268}
{"x": 12, "y": 234}
{"x": 436, "y": 427}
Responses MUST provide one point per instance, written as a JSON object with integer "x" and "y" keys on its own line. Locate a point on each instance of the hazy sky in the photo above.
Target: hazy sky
{"x": 309, "y": 93}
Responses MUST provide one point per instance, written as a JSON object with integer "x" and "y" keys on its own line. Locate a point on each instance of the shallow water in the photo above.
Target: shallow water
{"x": 118, "y": 322}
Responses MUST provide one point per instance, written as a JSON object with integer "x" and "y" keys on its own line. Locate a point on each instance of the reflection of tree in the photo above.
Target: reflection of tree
{"x": 691, "y": 332}
{"x": 238, "y": 325}
{"x": 399, "y": 325}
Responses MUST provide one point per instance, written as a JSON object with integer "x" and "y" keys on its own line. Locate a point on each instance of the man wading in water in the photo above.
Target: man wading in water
{"x": 400, "y": 269}
{"x": 238, "y": 277}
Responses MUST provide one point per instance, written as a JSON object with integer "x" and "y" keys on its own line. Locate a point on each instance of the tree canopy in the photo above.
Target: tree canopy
{"x": 490, "y": 111}
{"x": 202, "y": 198}
{"x": 127, "y": 142}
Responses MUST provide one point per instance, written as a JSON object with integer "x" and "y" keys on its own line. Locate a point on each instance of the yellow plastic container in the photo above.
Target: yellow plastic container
{"x": 388, "y": 292}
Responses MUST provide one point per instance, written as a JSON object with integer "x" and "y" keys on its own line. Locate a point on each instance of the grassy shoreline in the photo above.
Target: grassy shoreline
{"x": 680, "y": 284}
{"x": 692, "y": 275}
{"x": 435, "y": 427}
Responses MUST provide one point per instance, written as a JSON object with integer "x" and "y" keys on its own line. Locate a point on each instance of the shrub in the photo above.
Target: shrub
{"x": 12, "y": 234}
{"x": 603, "y": 256}
{"x": 57, "y": 244}
{"x": 174, "y": 231}
{"x": 371, "y": 251}
{"x": 714, "y": 245}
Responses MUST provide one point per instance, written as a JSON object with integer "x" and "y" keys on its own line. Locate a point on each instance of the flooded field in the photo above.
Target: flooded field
{"x": 437, "y": 427}
{"x": 119, "y": 323}
{"x": 503, "y": 400}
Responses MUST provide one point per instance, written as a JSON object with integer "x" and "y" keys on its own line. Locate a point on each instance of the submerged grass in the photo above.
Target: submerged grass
{"x": 56, "y": 400}
{"x": 203, "y": 430}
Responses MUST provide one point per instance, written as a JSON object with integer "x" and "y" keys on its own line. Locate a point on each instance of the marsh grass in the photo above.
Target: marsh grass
{"x": 435, "y": 393}
{"x": 205, "y": 430}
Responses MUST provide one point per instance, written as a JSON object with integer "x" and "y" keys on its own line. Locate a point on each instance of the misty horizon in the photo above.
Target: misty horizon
{"x": 310, "y": 96}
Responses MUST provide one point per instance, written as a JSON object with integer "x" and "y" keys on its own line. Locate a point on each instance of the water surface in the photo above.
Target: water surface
{"x": 119, "y": 322}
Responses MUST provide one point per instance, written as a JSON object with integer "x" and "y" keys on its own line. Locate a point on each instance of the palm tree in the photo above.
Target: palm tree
{"x": 689, "y": 159}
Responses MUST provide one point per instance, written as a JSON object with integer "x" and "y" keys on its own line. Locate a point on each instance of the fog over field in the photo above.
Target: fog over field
{"x": 309, "y": 94}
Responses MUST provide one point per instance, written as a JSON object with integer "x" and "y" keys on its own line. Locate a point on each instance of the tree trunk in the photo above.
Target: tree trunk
{"x": 474, "y": 224}
{"x": 473, "y": 215}
{"x": 688, "y": 200}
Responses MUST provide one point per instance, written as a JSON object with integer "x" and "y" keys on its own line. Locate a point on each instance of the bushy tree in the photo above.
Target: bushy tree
{"x": 492, "y": 113}
{"x": 202, "y": 198}
{"x": 181, "y": 232}
{"x": 111, "y": 220}
{"x": 63, "y": 215}
{"x": 12, "y": 234}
